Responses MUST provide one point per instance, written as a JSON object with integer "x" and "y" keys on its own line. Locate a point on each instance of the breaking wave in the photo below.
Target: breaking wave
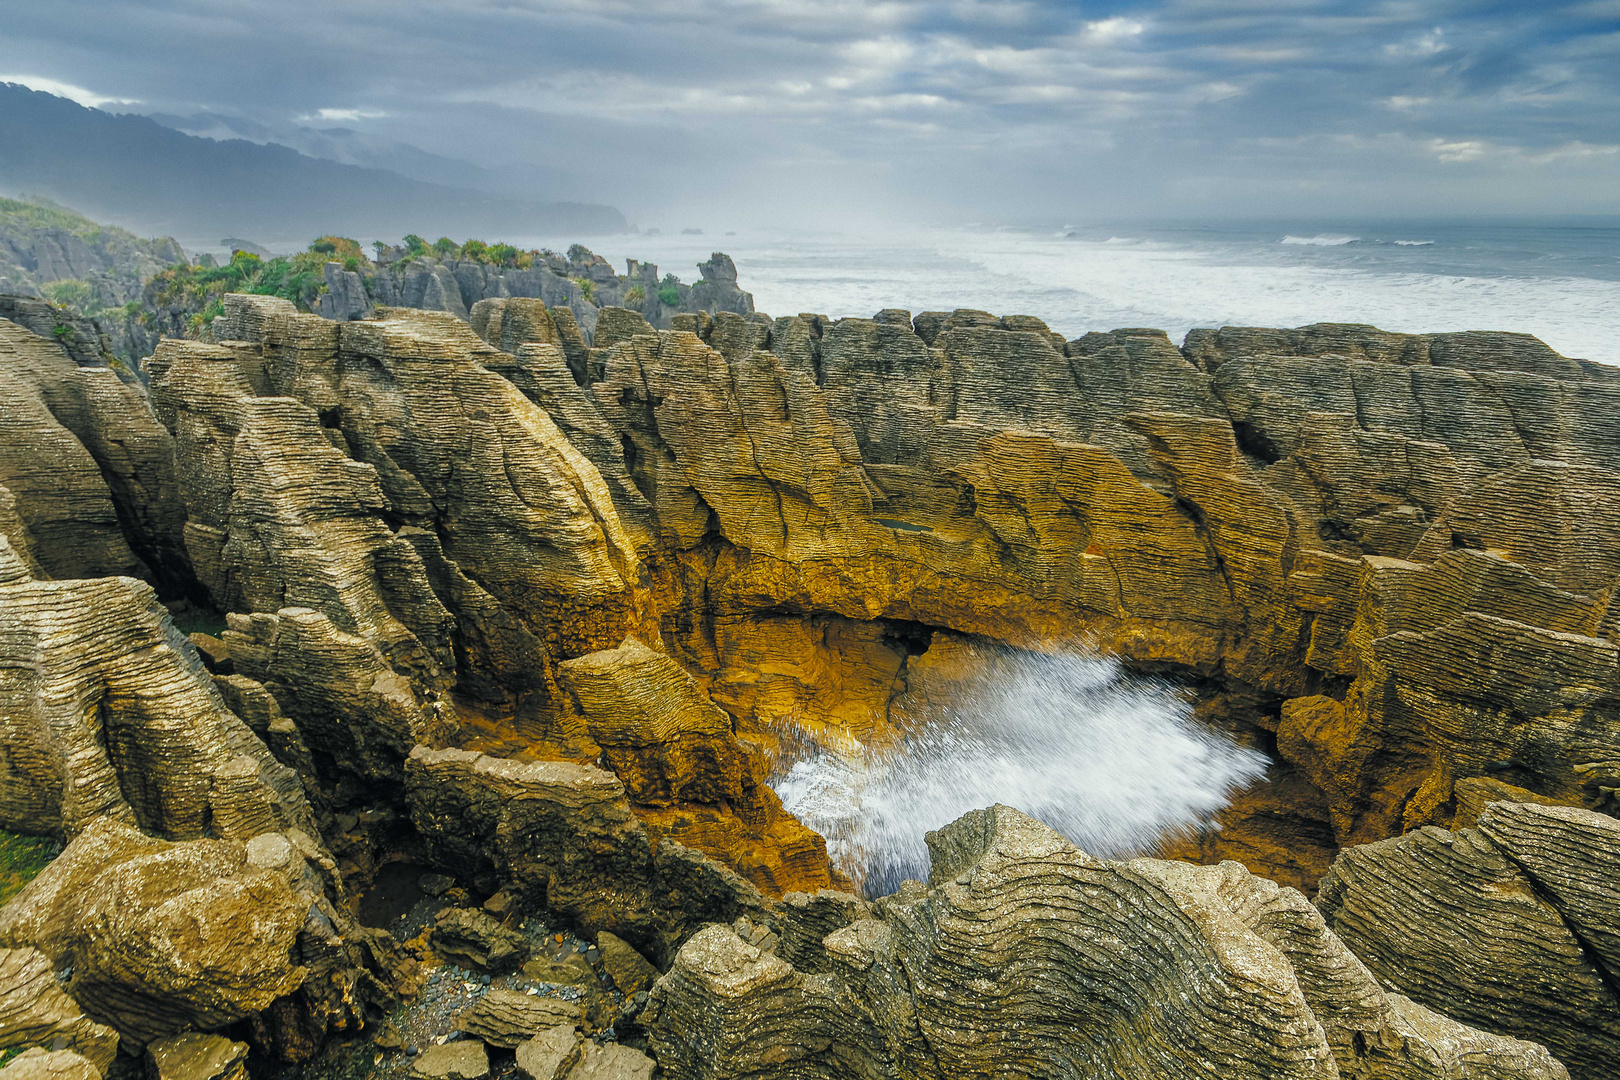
{"x": 1113, "y": 761}
{"x": 1319, "y": 241}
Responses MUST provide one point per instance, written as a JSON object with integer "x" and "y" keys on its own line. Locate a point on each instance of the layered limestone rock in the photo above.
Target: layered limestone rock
{"x": 680, "y": 763}
{"x": 60, "y": 495}
{"x": 564, "y": 836}
{"x": 1331, "y": 535}
{"x": 1510, "y": 926}
{"x": 1025, "y": 955}
{"x": 1326, "y": 525}
{"x": 107, "y": 713}
{"x": 161, "y": 937}
{"x": 158, "y": 938}
{"x": 392, "y": 525}
{"x": 448, "y": 556}
{"x": 509, "y": 501}
{"x": 580, "y": 283}
{"x": 134, "y": 453}
{"x": 35, "y": 1012}
{"x": 41, "y": 1064}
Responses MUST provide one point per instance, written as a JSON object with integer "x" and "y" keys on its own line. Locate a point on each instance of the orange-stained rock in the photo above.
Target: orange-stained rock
{"x": 1396, "y": 553}
{"x": 690, "y": 777}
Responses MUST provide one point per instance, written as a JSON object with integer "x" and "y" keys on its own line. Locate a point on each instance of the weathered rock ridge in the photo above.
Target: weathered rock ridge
{"x": 543, "y": 609}
{"x": 1328, "y": 526}
{"x": 1513, "y": 925}
{"x": 1025, "y": 956}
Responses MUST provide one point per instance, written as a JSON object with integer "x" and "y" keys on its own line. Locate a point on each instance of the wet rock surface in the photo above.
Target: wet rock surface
{"x": 191, "y": 1056}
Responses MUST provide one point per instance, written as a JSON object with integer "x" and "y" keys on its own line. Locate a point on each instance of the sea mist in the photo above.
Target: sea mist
{"x": 1113, "y": 760}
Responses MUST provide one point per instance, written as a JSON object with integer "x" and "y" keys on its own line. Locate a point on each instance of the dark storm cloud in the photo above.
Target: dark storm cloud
{"x": 1016, "y": 109}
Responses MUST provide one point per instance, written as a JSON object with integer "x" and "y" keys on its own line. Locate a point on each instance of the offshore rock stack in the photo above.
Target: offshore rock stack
{"x": 534, "y": 620}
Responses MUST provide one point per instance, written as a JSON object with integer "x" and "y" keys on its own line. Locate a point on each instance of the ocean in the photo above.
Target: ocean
{"x": 1558, "y": 280}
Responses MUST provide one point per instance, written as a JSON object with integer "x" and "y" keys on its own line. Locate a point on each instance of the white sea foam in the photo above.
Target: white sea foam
{"x": 1080, "y": 285}
{"x": 1414, "y": 243}
{"x": 1319, "y": 241}
{"x": 1113, "y": 761}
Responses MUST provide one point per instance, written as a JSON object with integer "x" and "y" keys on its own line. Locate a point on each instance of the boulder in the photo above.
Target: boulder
{"x": 507, "y": 1018}
{"x": 474, "y": 939}
{"x": 464, "y": 1059}
{"x": 572, "y": 970}
{"x": 628, "y": 969}
{"x": 35, "y": 1012}
{"x": 193, "y": 1056}
{"x": 41, "y": 1064}
{"x": 161, "y": 936}
{"x": 550, "y": 1054}
{"x": 612, "y": 1061}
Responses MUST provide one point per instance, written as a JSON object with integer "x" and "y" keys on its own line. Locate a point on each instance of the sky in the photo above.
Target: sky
{"x": 795, "y": 111}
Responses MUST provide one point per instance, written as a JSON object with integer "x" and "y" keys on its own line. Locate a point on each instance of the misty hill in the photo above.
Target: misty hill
{"x": 347, "y": 147}
{"x": 49, "y": 250}
{"x": 132, "y": 169}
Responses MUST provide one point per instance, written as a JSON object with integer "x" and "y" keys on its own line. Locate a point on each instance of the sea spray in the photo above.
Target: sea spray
{"x": 1114, "y": 761}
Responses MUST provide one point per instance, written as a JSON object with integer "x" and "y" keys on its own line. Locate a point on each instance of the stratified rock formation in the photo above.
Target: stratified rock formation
{"x": 1026, "y": 956}
{"x": 564, "y": 836}
{"x": 44, "y": 245}
{"x": 1512, "y": 926}
{"x": 544, "y": 604}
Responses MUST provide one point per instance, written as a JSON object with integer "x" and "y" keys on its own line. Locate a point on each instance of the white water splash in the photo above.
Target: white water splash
{"x": 1113, "y": 761}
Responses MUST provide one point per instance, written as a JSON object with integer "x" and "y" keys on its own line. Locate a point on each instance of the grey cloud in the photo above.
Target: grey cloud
{"x": 1034, "y": 109}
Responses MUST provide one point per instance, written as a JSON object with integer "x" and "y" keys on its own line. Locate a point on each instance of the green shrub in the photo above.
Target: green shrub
{"x": 73, "y": 293}
{"x": 635, "y": 296}
{"x": 21, "y": 860}
{"x": 476, "y": 250}
{"x": 669, "y": 296}
{"x": 503, "y": 254}
{"x": 339, "y": 248}
{"x": 587, "y": 289}
{"x": 34, "y": 212}
{"x": 445, "y": 247}
{"x": 415, "y": 245}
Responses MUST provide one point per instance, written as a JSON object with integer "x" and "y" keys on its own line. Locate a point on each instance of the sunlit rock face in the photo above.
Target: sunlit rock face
{"x": 1382, "y": 562}
{"x": 692, "y": 635}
